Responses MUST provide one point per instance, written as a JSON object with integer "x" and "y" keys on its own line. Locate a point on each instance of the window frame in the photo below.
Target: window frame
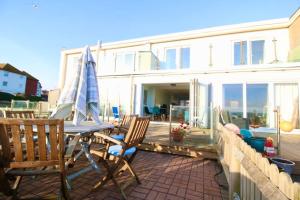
{"x": 4, "y": 83}
{"x": 249, "y": 51}
{"x": 122, "y": 55}
{"x": 264, "y": 50}
{"x": 244, "y": 94}
{"x": 176, "y": 57}
{"x": 233, "y": 52}
{"x": 180, "y": 57}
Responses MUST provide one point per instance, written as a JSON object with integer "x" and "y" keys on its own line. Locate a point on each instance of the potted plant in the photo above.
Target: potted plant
{"x": 255, "y": 121}
{"x": 179, "y": 132}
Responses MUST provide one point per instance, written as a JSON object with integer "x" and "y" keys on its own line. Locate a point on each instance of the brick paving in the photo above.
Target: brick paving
{"x": 163, "y": 176}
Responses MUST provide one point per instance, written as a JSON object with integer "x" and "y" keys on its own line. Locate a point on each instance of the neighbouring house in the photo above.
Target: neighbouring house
{"x": 33, "y": 86}
{"x": 14, "y": 81}
{"x": 247, "y": 69}
{"x": 44, "y": 95}
{"x": 53, "y": 96}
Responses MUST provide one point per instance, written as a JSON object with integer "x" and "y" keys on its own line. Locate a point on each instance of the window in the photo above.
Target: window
{"x": 108, "y": 63}
{"x": 4, "y": 83}
{"x": 171, "y": 59}
{"x": 240, "y": 53}
{"x": 185, "y": 58}
{"x": 254, "y": 106}
{"x": 5, "y": 74}
{"x": 257, "y": 51}
{"x": 125, "y": 62}
{"x": 233, "y": 99}
{"x": 129, "y": 59}
{"x": 257, "y": 100}
{"x": 256, "y": 48}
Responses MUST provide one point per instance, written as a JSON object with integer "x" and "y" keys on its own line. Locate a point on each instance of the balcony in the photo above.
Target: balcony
{"x": 147, "y": 61}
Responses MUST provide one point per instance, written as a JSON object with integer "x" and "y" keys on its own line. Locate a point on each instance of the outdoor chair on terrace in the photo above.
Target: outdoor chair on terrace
{"x": 116, "y": 113}
{"x": 147, "y": 112}
{"x": 225, "y": 118}
{"x": 122, "y": 129}
{"x": 122, "y": 153}
{"x": 19, "y": 114}
{"x": 41, "y": 158}
{"x": 156, "y": 113}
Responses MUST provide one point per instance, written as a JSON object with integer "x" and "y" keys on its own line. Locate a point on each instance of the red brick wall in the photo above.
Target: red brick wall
{"x": 31, "y": 87}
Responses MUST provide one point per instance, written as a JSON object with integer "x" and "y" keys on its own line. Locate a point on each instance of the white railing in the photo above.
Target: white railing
{"x": 251, "y": 175}
{"x": 40, "y": 108}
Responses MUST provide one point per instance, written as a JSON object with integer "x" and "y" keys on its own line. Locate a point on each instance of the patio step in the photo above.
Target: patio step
{"x": 201, "y": 152}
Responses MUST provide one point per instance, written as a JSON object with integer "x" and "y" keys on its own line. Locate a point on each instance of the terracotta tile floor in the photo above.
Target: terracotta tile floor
{"x": 163, "y": 176}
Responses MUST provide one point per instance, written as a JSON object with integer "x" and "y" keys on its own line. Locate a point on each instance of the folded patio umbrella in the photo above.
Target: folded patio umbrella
{"x": 82, "y": 92}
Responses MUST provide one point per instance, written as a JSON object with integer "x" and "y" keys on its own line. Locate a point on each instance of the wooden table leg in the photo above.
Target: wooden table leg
{"x": 5, "y": 187}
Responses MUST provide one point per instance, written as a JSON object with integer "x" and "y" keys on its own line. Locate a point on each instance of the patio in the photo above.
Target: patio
{"x": 163, "y": 176}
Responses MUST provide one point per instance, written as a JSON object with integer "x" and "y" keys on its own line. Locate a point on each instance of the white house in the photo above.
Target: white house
{"x": 246, "y": 68}
{"x": 12, "y": 80}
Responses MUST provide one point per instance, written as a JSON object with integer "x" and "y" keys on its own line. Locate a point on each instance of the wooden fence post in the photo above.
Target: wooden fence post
{"x": 234, "y": 166}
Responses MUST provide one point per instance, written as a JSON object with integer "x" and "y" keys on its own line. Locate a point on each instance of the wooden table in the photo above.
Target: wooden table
{"x": 75, "y": 135}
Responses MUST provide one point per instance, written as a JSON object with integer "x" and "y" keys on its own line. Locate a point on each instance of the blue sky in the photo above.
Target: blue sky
{"x": 32, "y": 37}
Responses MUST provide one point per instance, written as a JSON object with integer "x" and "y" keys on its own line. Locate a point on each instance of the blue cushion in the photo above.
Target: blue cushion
{"x": 246, "y": 133}
{"x": 115, "y": 150}
{"x": 118, "y": 137}
{"x": 35, "y": 138}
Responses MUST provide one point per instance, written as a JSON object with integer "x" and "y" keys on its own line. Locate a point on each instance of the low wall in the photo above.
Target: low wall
{"x": 251, "y": 175}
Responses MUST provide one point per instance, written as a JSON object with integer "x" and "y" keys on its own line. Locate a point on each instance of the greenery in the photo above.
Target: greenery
{"x": 8, "y": 97}
{"x": 35, "y": 98}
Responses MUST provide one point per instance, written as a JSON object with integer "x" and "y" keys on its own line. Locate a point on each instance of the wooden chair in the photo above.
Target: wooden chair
{"x": 123, "y": 153}
{"x": 19, "y": 114}
{"x": 34, "y": 158}
{"x": 122, "y": 129}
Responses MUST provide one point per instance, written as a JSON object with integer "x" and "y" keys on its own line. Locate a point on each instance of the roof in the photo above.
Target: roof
{"x": 205, "y": 32}
{"x": 8, "y": 67}
{"x": 29, "y": 75}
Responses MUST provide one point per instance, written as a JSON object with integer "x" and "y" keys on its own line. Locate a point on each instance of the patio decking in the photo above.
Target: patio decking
{"x": 158, "y": 133}
{"x": 163, "y": 176}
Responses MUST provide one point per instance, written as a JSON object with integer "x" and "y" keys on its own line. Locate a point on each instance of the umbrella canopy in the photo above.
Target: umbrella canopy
{"x": 82, "y": 92}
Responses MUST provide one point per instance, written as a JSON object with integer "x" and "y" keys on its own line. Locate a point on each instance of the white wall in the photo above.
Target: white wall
{"x": 222, "y": 51}
{"x": 115, "y": 91}
{"x": 117, "y": 87}
{"x": 222, "y": 48}
{"x": 16, "y": 83}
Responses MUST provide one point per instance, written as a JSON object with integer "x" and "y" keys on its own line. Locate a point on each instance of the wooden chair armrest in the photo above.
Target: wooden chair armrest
{"x": 106, "y": 137}
{"x": 123, "y": 130}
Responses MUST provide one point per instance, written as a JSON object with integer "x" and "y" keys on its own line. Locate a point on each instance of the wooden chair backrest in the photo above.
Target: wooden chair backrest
{"x": 32, "y": 154}
{"x": 126, "y": 120}
{"x": 137, "y": 131}
{"x": 19, "y": 114}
